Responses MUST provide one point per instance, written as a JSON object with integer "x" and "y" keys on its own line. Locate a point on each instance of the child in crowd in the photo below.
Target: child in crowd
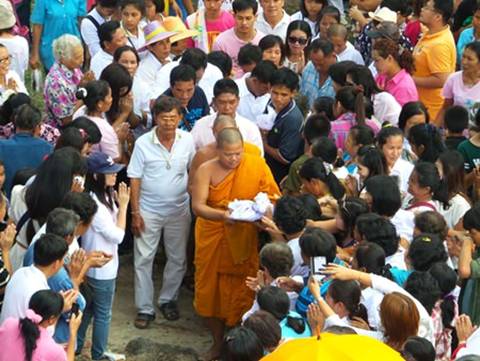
{"x": 328, "y": 16}
{"x": 132, "y": 13}
{"x": 456, "y": 122}
{"x": 338, "y": 35}
{"x": 309, "y": 12}
{"x": 248, "y": 57}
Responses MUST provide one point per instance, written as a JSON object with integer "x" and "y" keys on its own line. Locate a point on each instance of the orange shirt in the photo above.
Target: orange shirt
{"x": 434, "y": 53}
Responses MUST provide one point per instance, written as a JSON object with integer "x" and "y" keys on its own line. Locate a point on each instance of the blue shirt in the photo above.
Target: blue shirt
{"x": 310, "y": 85}
{"x": 288, "y": 332}
{"x": 466, "y": 37}
{"x": 197, "y": 108}
{"x": 23, "y": 150}
{"x": 58, "y": 17}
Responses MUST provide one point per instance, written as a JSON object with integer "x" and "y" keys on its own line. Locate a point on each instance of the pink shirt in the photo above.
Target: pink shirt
{"x": 341, "y": 126}
{"x": 214, "y": 27}
{"x": 109, "y": 142}
{"x": 401, "y": 86}
{"x": 456, "y": 90}
{"x": 231, "y": 44}
{"x": 12, "y": 341}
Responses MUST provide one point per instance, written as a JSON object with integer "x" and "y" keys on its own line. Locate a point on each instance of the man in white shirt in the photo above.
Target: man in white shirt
{"x": 157, "y": 44}
{"x": 48, "y": 259}
{"x": 101, "y": 13}
{"x": 207, "y": 73}
{"x": 158, "y": 173}
{"x": 254, "y": 90}
{"x": 273, "y": 19}
{"x": 112, "y": 37}
{"x": 226, "y": 102}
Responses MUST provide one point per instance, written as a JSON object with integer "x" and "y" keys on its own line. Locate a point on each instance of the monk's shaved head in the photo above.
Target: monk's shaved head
{"x": 224, "y": 121}
{"x": 229, "y": 136}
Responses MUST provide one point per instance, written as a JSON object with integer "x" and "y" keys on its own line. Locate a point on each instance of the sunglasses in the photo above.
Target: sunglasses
{"x": 300, "y": 41}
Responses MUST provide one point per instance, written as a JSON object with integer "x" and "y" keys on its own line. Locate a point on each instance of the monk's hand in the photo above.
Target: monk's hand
{"x": 254, "y": 283}
{"x": 138, "y": 225}
{"x": 270, "y": 226}
{"x": 227, "y": 217}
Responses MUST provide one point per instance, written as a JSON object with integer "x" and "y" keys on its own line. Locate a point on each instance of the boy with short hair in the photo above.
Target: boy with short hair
{"x": 338, "y": 35}
{"x": 456, "y": 121}
{"x": 248, "y": 57}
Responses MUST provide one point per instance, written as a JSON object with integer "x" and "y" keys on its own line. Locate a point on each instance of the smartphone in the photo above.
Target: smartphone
{"x": 317, "y": 265}
{"x": 75, "y": 309}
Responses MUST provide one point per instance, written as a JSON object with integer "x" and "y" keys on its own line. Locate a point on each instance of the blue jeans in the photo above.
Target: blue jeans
{"x": 100, "y": 309}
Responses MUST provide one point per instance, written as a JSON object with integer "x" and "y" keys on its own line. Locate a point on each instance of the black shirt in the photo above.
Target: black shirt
{"x": 453, "y": 142}
{"x": 197, "y": 108}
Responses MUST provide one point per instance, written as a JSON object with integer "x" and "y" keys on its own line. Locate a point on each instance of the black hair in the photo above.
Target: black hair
{"x": 311, "y": 206}
{"x": 353, "y": 100}
{"x": 431, "y": 222}
{"x": 424, "y": 288}
{"x": 119, "y": 79}
{"x": 223, "y": 86}
{"x": 159, "y": 5}
{"x": 362, "y": 76}
{"x": 241, "y": 343}
{"x": 242, "y": 5}
{"x": 123, "y": 49}
{"x": 314, "y": 168}
{"x": 182, "y": 72}
{"x": 285, "y": 77}
{"x": 48, "y": 249}
{"x": 316, "y": 242}
{"x": 475, "y": 47}
{"x": 386, "y": 196}
{"x": 371, "y": 257}
{"x": 325, "y": 149}
{"x": 447, "y": 281}
{"x": 222, "y": 61}
{"x": 95, "y": 183}
{"x": 456, "y": 119}
{"x": 266, "y": 327}
{"x": 445, "y": 8}
{"x": 289, "y": 215}
{"x": 269, "y": 41}
{"x": 303, "y": 9}
{"x": 93, "y": 92}
{"x": 411, "y": 109}
{"x": 325, "y": 46}
{"x": 21, "y": 176}
{"x": 93, "y": 134}
{"x": 428, "y": 136}
{"x": 137, "y": 4}
{"x": 108, "y": 3}
{"x": 165, "y": 104}
{"x": 425, "y": 250}
{"x": 316, "y": 125}
{"x": 264, "y": 71}
{"x": 362, "y": 134}
{"x": 329, "y": 10}
{"x": 194, "y": 57}
{"x": 27, "y": 117}
{"x": 324, "y": 106}
{"x": 46, "y": 304}
{"x": 276, "y": 301}
{"x": 106, "y": 30}
{"x": 9, "y": 106}
{"x": 82, "y": 204}
{"x": 277, "y": 258}
{"x": 380, "y": 231}
{"x": 70, "y": 137}
{"x": 372, "y": 158}
{"x": 303, "y": 26}
{"x": 338, "y": 71}
{"x": 418, "y": 349}
{"x": 471, "y": 219}
{"x": 399, "y": 6}
{"x": 428, "y": 176}
{"x": 387, "y": 132}
{"x": 348, "y": 292}
{"x": 249, "y": 54}
{"x": 350, "y": 209}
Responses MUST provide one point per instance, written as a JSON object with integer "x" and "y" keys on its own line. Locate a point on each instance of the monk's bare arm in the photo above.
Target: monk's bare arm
{"x": 200, "y": 188}
{"x": 196, "y": 162}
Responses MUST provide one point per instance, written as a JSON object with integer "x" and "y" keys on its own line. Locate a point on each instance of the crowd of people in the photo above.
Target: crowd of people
{"x": 315, "y": 172}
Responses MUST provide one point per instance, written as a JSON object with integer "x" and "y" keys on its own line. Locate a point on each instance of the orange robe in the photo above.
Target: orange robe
{"x": 225, "y": 254}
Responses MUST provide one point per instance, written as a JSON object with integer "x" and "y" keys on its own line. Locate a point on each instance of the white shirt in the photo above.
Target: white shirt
{"x": 18, "y": 48}
{"x": 89, "y": 32}
{"x": 397, "y": 259}
{"x": 386, "y": 108}
{"x": 100, "y": 61}
{"x": 163, "y": 173}
{"x": 298, "y": 268}
{"x": 299, "y": 16}
{"x": 211, "y": 75}
{"x": 404, "y": 222}
{"x": 458, "y": 207}
{"x": 20, "y": 88}
{"x": 371, "y": 299}
{"x": 472, "y": 346}
{"x": 352, "y": 54}
{"x": 202, "y": 131}
{"x": 250, "y": 106}
{"x": 104, "y": 235}
{"x": 280, "y": 29}
{"x": 148, "y": 69}
{"x": 142, "y": 95}
{"x": 23, "y": 284}
{"x": 402, "y": 169}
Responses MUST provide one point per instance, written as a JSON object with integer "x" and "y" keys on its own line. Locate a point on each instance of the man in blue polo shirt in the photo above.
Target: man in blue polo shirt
{"x": 192, "y": 98}
{"x": 283, "y": 143}
{"x": 24, "y": 149}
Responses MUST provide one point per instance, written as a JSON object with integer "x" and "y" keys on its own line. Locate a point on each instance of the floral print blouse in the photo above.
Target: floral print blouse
{"x": 59, "y": 93}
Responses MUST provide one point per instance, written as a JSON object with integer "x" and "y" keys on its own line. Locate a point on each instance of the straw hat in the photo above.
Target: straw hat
{"x": 155, "y": 32}
{"x": 174, "y": 23}
{"x": 7, "y": 18}
{"x": 383, "y": 14}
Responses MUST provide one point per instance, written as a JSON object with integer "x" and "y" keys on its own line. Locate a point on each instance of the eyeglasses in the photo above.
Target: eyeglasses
{"x": 6, "y": 60}
{"x": 300, "y": 41}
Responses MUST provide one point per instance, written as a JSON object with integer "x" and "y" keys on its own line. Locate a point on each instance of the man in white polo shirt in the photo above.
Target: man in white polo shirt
{"x": 273, "y": 19}
{"x": 158, "y": 173}
{"x": 225, "y": 101}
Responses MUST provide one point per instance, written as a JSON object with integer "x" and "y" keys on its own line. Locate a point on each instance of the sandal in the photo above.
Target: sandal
{"x": 142, "y": 321}
{"x": 170, "y": 311}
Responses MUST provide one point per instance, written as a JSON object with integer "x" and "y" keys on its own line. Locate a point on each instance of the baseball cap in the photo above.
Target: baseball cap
{"x": 98, "y": 162}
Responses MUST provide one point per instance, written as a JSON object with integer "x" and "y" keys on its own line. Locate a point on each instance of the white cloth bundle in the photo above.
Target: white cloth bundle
{"x": 250, "y": 211}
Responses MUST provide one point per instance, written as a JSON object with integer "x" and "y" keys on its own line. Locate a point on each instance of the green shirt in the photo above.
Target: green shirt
{"x": 293, "y": 182}
{"x": 471, "y": 154}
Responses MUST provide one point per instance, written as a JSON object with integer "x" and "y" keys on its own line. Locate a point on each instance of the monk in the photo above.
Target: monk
{"x": 226, "y": 252}
{"x": 210, "y": 150}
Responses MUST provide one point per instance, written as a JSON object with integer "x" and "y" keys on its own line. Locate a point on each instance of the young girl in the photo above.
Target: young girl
{"x": 325, "y": 148}
{"x": 413, "y": 113}
{"x": 309, "y": 12}
{"x": 105, "y": 234}
{"x": 370, "y": 162}
{"x": 319, "y": 180}
{"x": 390, "y": 142}
{"x": 348, "y": 211}
{"x": 97, "y": 97}
{"x": 328, "y": 16}
{"x": 426, "y": 142}
{"x": 132, "y": 13}
{"x": 153, "y": 11}
{"x": 344, "y": 299}
{"x": 298, "y": 38}
{"x": 273, "y": 49}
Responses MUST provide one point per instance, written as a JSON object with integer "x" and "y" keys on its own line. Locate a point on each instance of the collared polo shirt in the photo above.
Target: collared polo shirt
{"x": 148, "y": 69}
{"x": 279, "y": 29}
{"x": 197, "y": 108}
{"x": 401, "y": 86}
{"x": 100, "y": 61}
{"x": 163, "y": 173}
{"x": 310, "y": 86}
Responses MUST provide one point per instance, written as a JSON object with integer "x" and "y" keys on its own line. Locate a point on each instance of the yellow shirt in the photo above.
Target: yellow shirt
{"x": 434, "y": 53}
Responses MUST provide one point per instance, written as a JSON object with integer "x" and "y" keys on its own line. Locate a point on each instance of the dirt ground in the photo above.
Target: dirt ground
{"x": 186, "y": 332}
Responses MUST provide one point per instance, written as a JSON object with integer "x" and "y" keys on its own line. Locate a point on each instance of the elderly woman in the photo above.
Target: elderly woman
{"x": 63, "y": 79}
